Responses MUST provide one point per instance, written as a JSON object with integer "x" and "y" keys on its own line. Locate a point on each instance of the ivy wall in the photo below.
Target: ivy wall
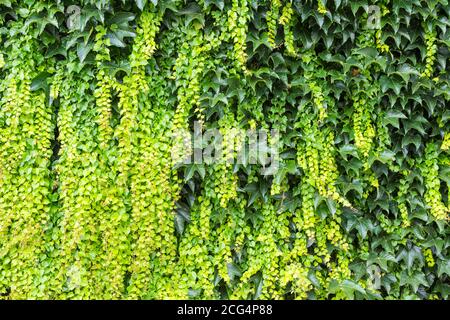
{"x": 98, "y": 97}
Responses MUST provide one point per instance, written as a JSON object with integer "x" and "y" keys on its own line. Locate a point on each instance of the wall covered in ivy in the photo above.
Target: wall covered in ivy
{"x": 98, "y": 99}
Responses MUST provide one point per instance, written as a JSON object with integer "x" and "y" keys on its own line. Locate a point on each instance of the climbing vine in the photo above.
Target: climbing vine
{"x": 224, "y": 150}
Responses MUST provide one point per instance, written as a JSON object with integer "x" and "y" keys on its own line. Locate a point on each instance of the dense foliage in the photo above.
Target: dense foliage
{"x": 97, "y": 98}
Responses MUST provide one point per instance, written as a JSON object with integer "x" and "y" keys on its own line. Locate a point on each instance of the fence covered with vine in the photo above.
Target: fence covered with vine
{"x": 94, "y": 94}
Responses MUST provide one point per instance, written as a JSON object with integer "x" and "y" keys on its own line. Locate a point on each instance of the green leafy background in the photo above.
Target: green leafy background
{"x": 92, "y": 206}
